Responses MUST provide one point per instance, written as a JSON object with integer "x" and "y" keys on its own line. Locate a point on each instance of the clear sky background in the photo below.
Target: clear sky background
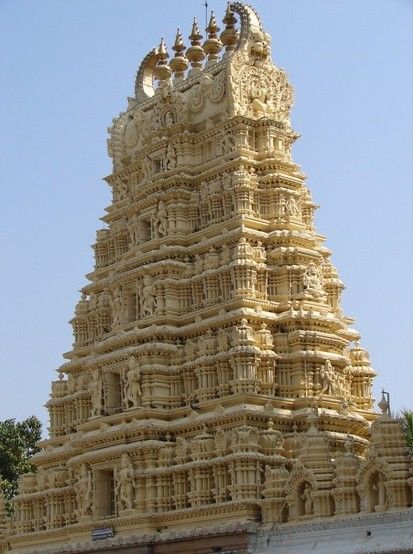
{"x": 66, "y": 68}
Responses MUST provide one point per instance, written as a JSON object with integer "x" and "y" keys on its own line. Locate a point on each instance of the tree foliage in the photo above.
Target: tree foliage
{"x": 407, "y": 418}
{"x": 17, "y": 445}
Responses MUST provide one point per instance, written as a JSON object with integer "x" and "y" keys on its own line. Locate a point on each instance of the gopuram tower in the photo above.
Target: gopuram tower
{"x": 215, "y": 385}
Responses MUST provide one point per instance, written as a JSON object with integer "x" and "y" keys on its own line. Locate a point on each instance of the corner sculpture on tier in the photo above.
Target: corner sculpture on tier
{"x": 215, "y": 384}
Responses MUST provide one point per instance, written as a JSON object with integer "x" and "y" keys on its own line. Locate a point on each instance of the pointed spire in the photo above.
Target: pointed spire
{"x": 212, "y": 28}
{"x": 195, "y": 53}
{"x": 195, "y": 35}
{"x": 178, "y": 46}
{"x": 162, "y": 71}
{"x": 179, "y": 62}
{"x": 229, "y": 35}
{"x": 162, "y": 50}
{"x": 212, "y": 46}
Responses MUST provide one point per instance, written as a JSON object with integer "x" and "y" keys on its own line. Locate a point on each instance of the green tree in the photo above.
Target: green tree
{"x": 407, "y": 418}
{"x": 17, "y": 445}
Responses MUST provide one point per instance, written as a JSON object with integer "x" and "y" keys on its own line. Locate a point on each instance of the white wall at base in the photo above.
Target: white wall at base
{"x": 362, "y": 534}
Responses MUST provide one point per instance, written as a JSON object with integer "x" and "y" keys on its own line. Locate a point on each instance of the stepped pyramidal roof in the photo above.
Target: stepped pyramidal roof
{"x": 215, "y": 384}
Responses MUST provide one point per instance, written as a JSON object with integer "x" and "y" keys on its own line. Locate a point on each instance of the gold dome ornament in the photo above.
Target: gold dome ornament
{"x": 212, "y": 46}
{"x": 162, "y": 71}
{"x": 229, "y": 36}
{"x": 179, "y": 63}
{"x": 195, "y": 52}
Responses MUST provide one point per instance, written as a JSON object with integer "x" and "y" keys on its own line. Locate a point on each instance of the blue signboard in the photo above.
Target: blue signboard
{"x": 100, "y": 534}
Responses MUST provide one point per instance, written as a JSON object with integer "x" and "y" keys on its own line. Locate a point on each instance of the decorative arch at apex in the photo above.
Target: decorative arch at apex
{"x": 241, "y": 80}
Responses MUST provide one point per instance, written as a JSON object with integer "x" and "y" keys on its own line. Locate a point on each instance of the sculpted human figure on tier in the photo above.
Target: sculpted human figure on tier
{"x": 379, "y": 488}
{"x": 95, "y": 387}
{"x": 117, "y": 307}
{"x": 308, "y": 499}
{"x": 161, "y": 220}
{"x": 84, "y": 492}
{"x": 312, "y": 282}
{"x": 132, "y": 384}
{"x": 170, "y": 157}
{"x": 148, "y": 296}
{"x": 328, "y": 378}
{"x": 291, "y": 206}
{"x": 125, "y": 484}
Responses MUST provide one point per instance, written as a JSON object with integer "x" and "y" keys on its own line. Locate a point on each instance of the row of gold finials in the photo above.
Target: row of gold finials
{"x": 197, "y": 52}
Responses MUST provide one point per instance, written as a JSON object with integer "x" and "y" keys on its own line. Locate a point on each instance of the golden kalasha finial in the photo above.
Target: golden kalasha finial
{"x": 212, "y": 28}
{"x": 162, "y": 50}
{"x": 162, "y": 70}
{"x": 179, "y": 62}
{"x": 195, "y": 52}
{"x": 212, "y": 46}
{"x": 229, "y": 35}
{"x": 195, "y": 35}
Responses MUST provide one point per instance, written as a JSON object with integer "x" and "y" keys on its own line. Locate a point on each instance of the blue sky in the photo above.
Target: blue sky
{"x": 67, "y": 67}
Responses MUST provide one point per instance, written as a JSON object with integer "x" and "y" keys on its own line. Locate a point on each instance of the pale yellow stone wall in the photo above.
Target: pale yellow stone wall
{"x": 214, "y": 377}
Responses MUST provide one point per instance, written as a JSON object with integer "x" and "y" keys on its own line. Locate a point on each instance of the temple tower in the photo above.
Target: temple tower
{"x": 214, "y": 381}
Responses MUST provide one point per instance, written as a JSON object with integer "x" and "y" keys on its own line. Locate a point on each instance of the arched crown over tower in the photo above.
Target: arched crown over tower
{"x": 214, "y": 382}
{"x": 238, "y": 78}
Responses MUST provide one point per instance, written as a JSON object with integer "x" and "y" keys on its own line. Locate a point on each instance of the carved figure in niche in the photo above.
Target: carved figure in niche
{"x": 312, "y": 282}
{"x": 268, "y": 474}
{"x": 379, "y": 493}
{"x": 170, "y": 160}
{"x": 227, "y": 181}
{"x": 227, "y": 143}
{"x": 181, "y": 448}
{"x": 161, "y": 220}
{"x": 147, "y": 165}
{"x": 291, "y": 206}
{"x": 308, "y": 499}
{"x": 328, "y": 379}
{"x": 258, "y": 97}
{"x": 170, "y": 118}
{"x": 260, "y": 47}
{"x": 96, "y": 397}
{"x": 134, "y": 232}
{"x": 130, "y": 138}
{"x": 148, "y": 296}
{"x": 125, "y": 484}
{"x": 121, "y": 190}
{"x": 104, "y": 299}
{"x": 132, "y": 384}
{"x": 117, "y": 307}
{"x": 83, "y": 381}
{"x": 156, "y": 122}
{"x": 84, "y": 492}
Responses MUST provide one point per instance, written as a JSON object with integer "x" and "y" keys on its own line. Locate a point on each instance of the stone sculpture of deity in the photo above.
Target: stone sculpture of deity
{"x": 132, "y": 384}
{"x": 84, "y": 492}
{"x": 328, "y": 379}
{"x": 312, "y": 282}
{"x": 308, "y": 499}
{"x": 125, "y": 484}
{"x": 161, "y": 220}
{"x": 96, "y": 397}
{"x": 117, "y": 307}
{"x": 170, "y": 157}
{"x": 148, "y": 296}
